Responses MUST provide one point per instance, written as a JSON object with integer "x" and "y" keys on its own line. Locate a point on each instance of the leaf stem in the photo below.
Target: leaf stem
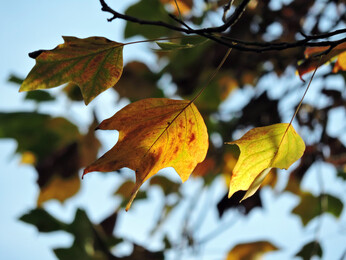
{"x": 298, "y": 107}
{"x": 158, "y": 39}
{"x": 198, "y": 94}
{"x": 176, "y": 4}
{"x": 212, "y": 76}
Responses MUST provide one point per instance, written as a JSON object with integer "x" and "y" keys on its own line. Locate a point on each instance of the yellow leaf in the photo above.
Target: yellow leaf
{"x": 59, "y": 188}
{"x": 155, "y": 133}
{"x": 340, "y": 63}
{"x": 94, "y": 64}
{"x": 261, "y": 149}
{"x": 185, "y": 6}
{"x": 28, "y": 158}
{"x": 250, "y": 251}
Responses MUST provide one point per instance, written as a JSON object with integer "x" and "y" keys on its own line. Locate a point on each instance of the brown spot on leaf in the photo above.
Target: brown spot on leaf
{"x": 192, "y": 138}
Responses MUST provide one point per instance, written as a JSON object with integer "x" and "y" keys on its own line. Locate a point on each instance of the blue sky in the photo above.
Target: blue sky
{"x": 31, "y": 25}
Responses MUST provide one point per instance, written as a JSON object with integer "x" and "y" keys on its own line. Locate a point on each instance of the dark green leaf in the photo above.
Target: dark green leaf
{"x": 309, "y": 250}
{"x": 43, "y": 221}
{"x": 151, "y": 10}
{"x": 311, "y": 206}
{"x": 39, "y": 96}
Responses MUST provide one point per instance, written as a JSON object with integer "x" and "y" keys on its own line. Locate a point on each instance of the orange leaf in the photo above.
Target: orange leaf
{"x": 94, "y": 64}
{"x": 313, "y": 59}
{"x": 155, "y": 133}
{"x": 253, "y": 250}
{"x": 340, "y": 63}
{"x": 185, "y": 6}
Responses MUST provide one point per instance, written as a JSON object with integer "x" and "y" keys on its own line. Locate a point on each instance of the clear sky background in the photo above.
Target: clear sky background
{"x": 37, "y": 24}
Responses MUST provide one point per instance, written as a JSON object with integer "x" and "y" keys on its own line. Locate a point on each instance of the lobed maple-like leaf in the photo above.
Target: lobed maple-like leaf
{"x": 155, "y": 133}
{"x": 94, "y": 64}
{"x": 263, "y": 148}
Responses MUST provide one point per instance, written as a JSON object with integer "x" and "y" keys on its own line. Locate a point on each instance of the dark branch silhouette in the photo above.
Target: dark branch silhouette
{"x": 215, "y": 33}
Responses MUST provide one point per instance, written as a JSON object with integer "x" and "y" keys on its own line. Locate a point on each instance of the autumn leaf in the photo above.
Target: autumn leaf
{"x": 313, "y": 58}
{"x": 94, "y": 64}
{"x": 59, "y": 188}
{"x": 261, "y": 149}
{"x": 340, "y": 63}
{"x": 247, "y": 251}
{"x": 155, "y": 133}
{"x": 185, "y": 6}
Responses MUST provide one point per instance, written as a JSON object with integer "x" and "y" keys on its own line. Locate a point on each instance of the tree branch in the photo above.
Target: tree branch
{"x": 210, "y": 32}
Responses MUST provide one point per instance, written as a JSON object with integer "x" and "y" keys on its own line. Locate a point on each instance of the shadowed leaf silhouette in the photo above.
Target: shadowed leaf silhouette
{"x": 94, "y": 64}
{"x": 263, "y": 148}
{"x": 155, "y": 133}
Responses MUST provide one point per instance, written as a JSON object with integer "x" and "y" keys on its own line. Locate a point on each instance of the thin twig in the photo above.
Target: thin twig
{"x": 308, "y": 41}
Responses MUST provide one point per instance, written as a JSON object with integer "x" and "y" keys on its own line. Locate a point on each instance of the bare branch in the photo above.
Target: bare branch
{"x": 213, "y": 33}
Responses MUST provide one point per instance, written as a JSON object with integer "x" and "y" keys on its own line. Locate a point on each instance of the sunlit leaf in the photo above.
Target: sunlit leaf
{"x": 59, "y": 188}
{"x": 261, "y": 149}
{"x": 94, "y": 64}
{"x": 313, "y": 58}
{"x": 312, "y": 206}
{"x": 28, "y": 158}
{"x": 185, "y": 6}
{"x": 340, "y": 63}
{"x": 171, "y": 46}
{"x": 155, "y": 134}
{"x": 250, "y": 251}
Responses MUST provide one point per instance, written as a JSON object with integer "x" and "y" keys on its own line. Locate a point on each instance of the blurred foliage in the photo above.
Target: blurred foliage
{"x": 58, "y": 150}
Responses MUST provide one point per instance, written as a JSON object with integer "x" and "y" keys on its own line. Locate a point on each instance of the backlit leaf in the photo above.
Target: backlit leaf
{"x": 260, "y": 150}
{"x": 185, "y": 6}
{"x": 171, "y": 46}
{"x": 94, "y": 64}
{"x": 250, "y": 251}
{"x": 340, "y": 63}
{"x": 313, "y": 59}
{"x": 154, "y": 134}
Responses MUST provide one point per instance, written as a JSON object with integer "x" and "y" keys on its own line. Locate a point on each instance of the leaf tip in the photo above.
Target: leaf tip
{"x": 85, "y": 172}
{"x": 35, "y": 54}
